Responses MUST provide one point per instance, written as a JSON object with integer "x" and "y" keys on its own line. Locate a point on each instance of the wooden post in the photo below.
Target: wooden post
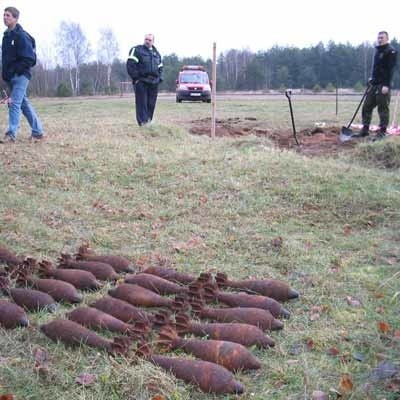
{"x": 214, "y": 91}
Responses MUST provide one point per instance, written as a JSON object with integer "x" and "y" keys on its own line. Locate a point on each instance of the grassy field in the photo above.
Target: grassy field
{"x": 328, "y": 226}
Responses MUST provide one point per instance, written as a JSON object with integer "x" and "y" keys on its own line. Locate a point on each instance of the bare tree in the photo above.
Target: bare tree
{"x": 73, "y": 50}
{"x": 107, "y": 51}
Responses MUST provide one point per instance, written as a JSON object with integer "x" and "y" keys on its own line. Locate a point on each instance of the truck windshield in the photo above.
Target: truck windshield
{"x": 194, "y": 78}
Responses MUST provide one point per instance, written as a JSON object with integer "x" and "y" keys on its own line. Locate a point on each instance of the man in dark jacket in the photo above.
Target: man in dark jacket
{"x": 18, "y": 56}
{"x": 379, "y": 91}
{"x": 145, "y": 67}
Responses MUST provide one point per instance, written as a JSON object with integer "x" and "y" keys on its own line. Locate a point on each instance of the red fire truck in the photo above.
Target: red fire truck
{"x": 193, "y": 84}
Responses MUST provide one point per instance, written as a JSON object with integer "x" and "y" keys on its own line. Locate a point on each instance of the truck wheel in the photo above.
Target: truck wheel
{"x": 208, "y": 100}
{"x": 178, "y": 100}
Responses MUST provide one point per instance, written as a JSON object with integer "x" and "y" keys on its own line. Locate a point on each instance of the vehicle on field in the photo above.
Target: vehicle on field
{"x": 193, "y": 84}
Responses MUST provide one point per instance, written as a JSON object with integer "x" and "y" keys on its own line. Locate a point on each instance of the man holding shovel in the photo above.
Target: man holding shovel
{"x": 378, "y": 94}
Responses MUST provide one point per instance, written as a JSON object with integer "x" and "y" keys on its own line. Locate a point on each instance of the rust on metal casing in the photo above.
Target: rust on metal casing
{"x": 273, "y": 288}
{"x": 232, "y": 356}
{"x": 12, "y": 316}
{"x": 170, "y": 274}
{"x": 245, "y": 334}
{"x": 156, "y": 284}
{"x": 8, "y": 257}
{"x": 101, "y": 270}
{"x": 82, "y": 280}
{"x": 119, "y": 263}
{"x": 209, "y": 377}
{"x": 72, "y": 334}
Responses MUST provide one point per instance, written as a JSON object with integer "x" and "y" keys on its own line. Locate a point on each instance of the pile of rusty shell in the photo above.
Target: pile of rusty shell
{"x": 8, "y": 257}
{"x": 170, "y": 274}
{"x": 72, "y": 334}
{"x": 119, "y": 263}
{"x": 155, "y": 284}
{"x": 59, "y": 290}
{"x": 101, "y": 270}
{"x": 253, "y": 316}
{"x": 30, "y": 300}
{"x": 276, "y": 289}
{"x": 12, "y": 316}
{"x": 209, "y": 377}
{"x": 232, "y": 356}
{"x": 245, "y": 334}
{"x": 82, "y": 280}
{"x": 27, "y": 267}
{"x": 122, "y": 310}
{"x": 211, "y": 293}
{"x": 93, "y": 318}
{"x": 139, "y": 296}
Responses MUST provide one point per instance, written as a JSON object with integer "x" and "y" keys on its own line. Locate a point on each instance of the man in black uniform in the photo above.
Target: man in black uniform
{"x": 145, "y": 67}
{"x": 379, "y": 92}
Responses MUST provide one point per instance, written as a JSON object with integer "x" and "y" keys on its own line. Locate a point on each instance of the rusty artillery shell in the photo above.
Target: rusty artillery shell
{"x": 253, "y": 316}
{"x": 58, "y": 290}
{"x": 273, "y": 288}
{"x": 93, "y": 318}
{"x": 122, "y": 310}
{"x": 232, "y": 356}
{"x": 12, "y": 316}
{"x": 8, "y": 257}
{"x": 73, "y": 334}
{"x": 209, "y": 377}
{"x": 155, "y": 284}
{"x": 102, "y": 271}
{"x": 170, "y": 274}
{"x": 245, "y": 300}
{"x": 119, "y": 263}
{"x": 245, "y": 334}
{"x": 139, "y": 296}
{"x": 82, "y": 280}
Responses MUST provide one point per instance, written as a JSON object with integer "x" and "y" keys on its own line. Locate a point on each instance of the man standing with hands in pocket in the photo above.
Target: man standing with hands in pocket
{"x": 379, "y": 91}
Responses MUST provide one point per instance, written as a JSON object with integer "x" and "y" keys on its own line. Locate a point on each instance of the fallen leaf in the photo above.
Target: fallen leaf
{"x": 86, "y": 379}
{"x": 333, "y": 351}
{"x": 347, "y": 230}
{"x": 310, "y": 344}
{"x": 292, "y": 362}
{"x": 353, "y": 302}
{"x": 318, "y": 395}
{"x": 346, "y": 384}
{"x": 158, "y": 397}
{"x": 397, "y": 334}
{"x": 393, "y": 385}
{"x": 359, "y": 357}
{"x": 380, "y": 310}
{"x": 379, "y": 295}
{"x": 383, "y": 327}
{"x": 203, "y": 199}
{"x": 42, "y": 359}
{"x": 277, "y": 242}
{"x": 314, "y": 317}
{"x": 7, "y": 397}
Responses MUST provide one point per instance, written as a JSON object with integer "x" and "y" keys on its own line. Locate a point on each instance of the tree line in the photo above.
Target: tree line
{"x": 78, "y": 70}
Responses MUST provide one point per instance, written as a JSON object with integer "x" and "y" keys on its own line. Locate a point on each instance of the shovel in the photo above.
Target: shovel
{"x": 288, "y": 94}
{"x": 346, "y": 133}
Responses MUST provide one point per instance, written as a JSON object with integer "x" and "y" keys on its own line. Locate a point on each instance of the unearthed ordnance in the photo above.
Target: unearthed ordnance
{"x": 276, "y": 289}
{"x": 245, "y": 334}
{"x": 30, "y": 300}
{"x": 83, "y": 280}
{"x": 101, "y": 270}
{"x": 253, "y": 316}
{"x": 155, "y": 284}
{"x": 8, "y": 257}
{"x": 209, "y": 377}
{"x": 59, "y": 290}
{"x": 139, "y": 296}
{"x": 232, "y": 356}
{"x": 73, "y": 334}
{"x": 12, "y": 316}
{"x": 170, "y": 274}
{"x": 119, "y": 263}
{"x": 93, "y": 318}
{"x": 211, "y": 293}
{"x": 122, "y": 310}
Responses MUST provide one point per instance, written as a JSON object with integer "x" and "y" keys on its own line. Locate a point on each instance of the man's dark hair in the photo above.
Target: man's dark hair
{"x": 383, "y": 33}
{"x": 14, "y": 12}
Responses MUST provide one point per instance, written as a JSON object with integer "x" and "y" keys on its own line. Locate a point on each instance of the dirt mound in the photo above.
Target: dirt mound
{"x": 313, "y": 142}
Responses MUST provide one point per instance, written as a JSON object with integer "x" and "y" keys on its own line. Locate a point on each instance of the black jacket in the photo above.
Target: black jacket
{"x": 145, "y": 64}
{"x": 384, "y": 64}
{"x": 18, "y": 53}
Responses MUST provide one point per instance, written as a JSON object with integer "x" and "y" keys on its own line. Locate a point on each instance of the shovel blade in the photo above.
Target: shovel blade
{"x": 345, "y": 134}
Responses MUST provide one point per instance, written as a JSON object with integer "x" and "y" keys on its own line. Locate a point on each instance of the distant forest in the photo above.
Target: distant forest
{"x": 321, "y": 67}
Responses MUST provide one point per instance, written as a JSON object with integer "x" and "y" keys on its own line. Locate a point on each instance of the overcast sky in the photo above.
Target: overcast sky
{"x": 189, "y": 28}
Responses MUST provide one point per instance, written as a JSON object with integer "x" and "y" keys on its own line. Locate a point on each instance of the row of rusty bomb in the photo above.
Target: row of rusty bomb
{"x": 240, "y": 324}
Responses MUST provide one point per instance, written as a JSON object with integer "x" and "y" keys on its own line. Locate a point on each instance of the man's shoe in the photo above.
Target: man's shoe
{"x": 379, "y": 136}
{"x": 36, "y": 139}
{"x": 363, "y": 133}
{"x": 7, "y": 139}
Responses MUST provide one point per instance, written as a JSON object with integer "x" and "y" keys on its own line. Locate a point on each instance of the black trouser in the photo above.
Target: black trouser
{"x": 145, "y": 97}
{"x": 376, "y": 98}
